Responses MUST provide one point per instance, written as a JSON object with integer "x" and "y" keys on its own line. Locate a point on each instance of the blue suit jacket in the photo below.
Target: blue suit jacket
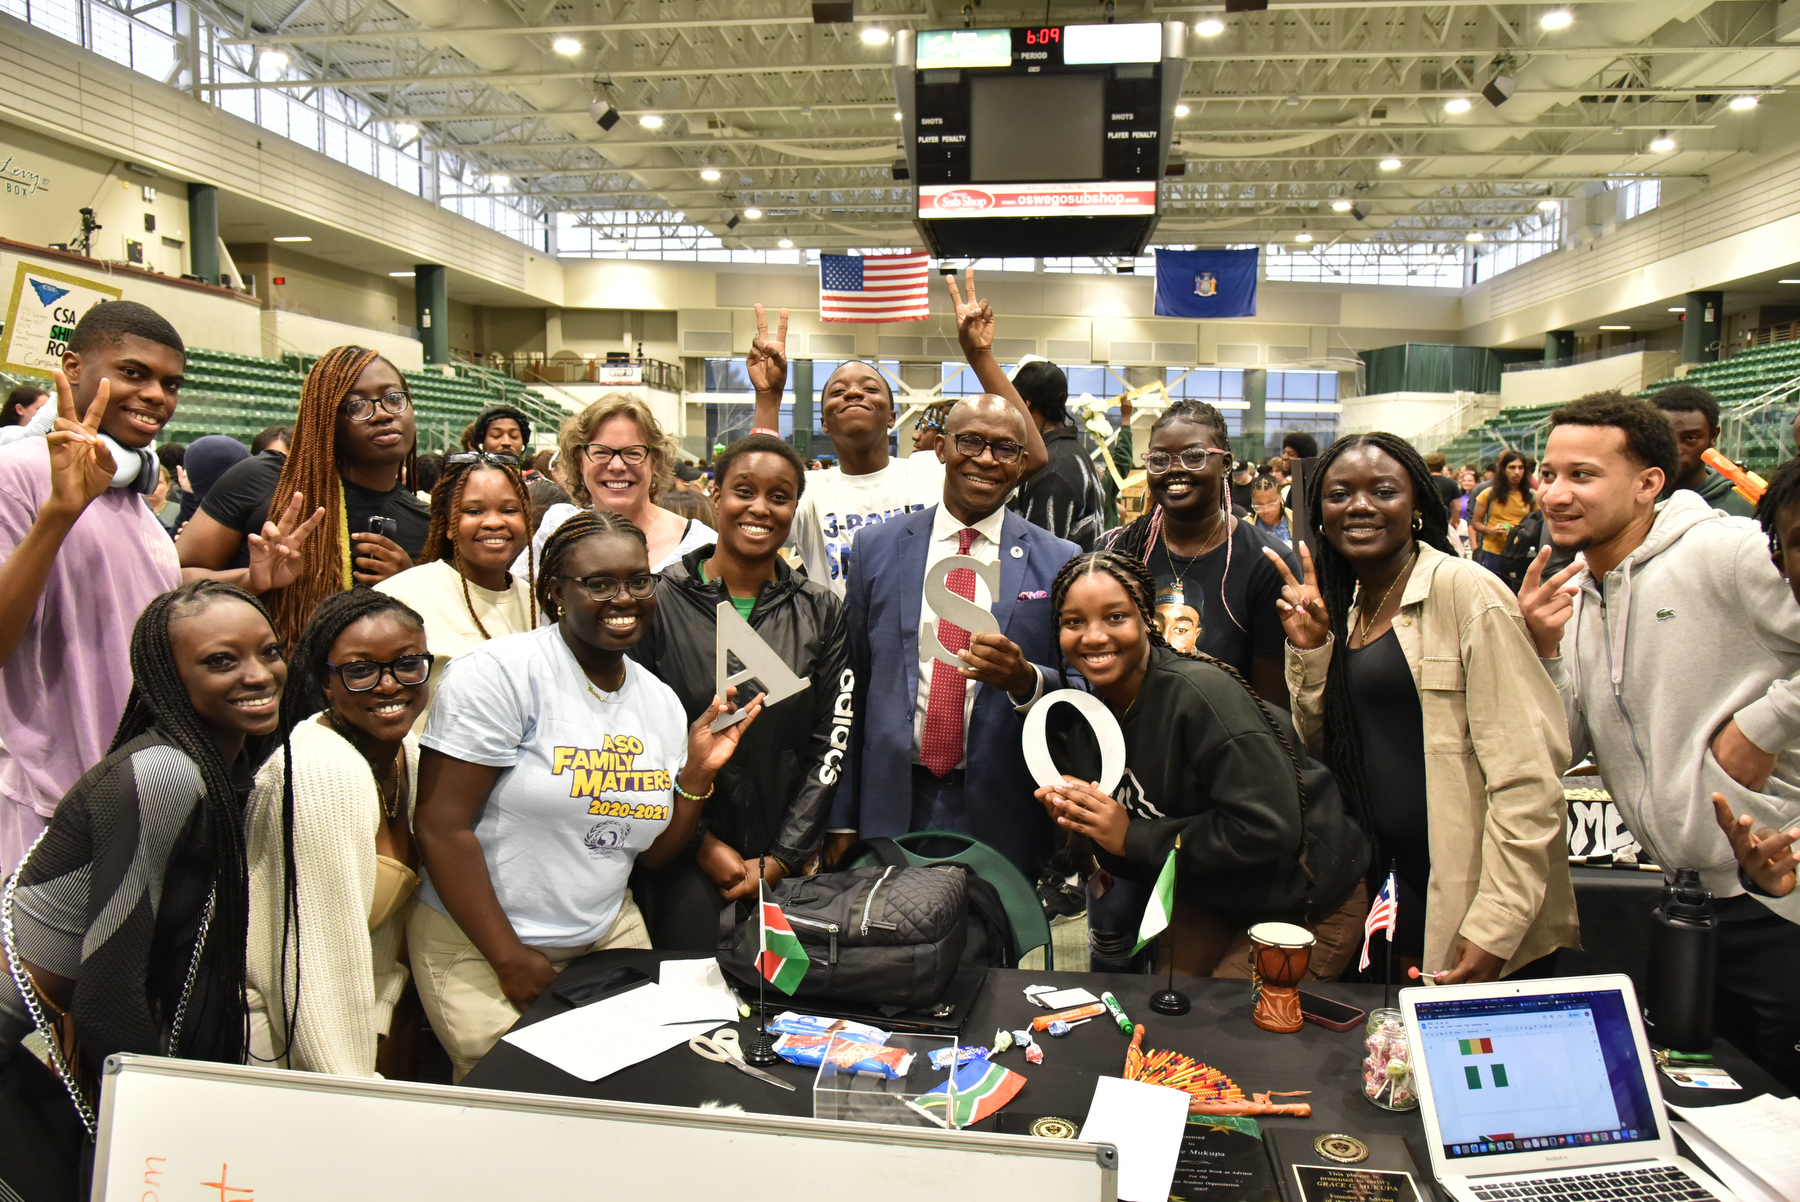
{"x": 882, "y": 602}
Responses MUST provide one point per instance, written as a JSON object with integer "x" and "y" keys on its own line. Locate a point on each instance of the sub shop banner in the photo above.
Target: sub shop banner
{"x": 41, "y": 312}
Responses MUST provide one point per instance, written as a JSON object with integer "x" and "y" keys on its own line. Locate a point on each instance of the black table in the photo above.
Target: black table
{"x": 1217, "y": 1031}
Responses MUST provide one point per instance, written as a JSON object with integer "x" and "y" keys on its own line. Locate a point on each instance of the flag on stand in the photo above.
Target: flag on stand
{"x": 779, "y": 956}
{"x": 875, "y": 287}
{"x": 982, "y": 1087}
{"x": 1383, "y": 916}
{"x": 1162, "y": 903}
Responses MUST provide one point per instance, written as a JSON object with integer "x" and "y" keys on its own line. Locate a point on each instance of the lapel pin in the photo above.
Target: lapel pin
{"x": 1018, "y": 552}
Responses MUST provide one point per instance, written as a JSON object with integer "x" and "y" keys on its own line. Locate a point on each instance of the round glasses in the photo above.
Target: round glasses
{"x": 600, "y": 454}
{"x": 361, "y": 409}
{"x": 605, "y": 588}
{"x": 972, "y": 445}
{"x": 359, "y": 676}
{"x": 1194, "y": 459}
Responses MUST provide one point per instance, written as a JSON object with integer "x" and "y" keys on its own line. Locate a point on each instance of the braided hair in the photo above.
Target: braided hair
{"x": 312, "y": 470}
{"x": 446, "y": 508}
{"x": 585, "y": 524}
{"x": 216, "y": 1022}
{"x": 1783, "y": 491}
{"x": 1338, "y": 588}
{"x": 1138, "y": 539}
{"x": 1135, "y": 578}
{"x": 306, "y": 697}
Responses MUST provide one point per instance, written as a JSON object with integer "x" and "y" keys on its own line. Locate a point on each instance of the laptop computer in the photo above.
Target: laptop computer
{"x": 1545, "y": 1091}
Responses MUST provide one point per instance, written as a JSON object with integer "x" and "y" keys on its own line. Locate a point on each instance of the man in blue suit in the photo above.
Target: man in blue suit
{"x": 937, "y": 747}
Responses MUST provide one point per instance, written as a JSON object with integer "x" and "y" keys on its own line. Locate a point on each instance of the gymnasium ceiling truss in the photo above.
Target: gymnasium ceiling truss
{"x": 1289, "y": 110}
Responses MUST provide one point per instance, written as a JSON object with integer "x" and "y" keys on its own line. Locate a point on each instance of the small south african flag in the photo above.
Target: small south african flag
{"x": 780, "y": 957}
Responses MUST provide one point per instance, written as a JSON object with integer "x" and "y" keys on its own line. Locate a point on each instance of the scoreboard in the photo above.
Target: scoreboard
{"x": 1042, "y": 140}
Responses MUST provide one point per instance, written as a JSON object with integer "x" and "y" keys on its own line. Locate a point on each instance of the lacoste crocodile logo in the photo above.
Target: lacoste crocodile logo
{"x": 1665, "y": 615}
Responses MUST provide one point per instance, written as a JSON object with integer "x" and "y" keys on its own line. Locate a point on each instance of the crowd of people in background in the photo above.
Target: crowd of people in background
{"x": 297, "y": 733}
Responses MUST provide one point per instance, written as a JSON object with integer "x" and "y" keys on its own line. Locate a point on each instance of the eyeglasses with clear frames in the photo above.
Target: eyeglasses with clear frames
{"x": 1194, "y": 459}
{"x": 361, "y": 409}
{"x": 605, "y": 588}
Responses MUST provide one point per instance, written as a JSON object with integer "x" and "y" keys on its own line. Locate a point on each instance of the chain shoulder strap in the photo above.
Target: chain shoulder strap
{"x": 28, "y": 992}
{"x": 187, "y": 988}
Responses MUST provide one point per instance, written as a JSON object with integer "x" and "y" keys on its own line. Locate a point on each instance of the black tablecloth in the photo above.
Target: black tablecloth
{"x": 1217, "y": 1031}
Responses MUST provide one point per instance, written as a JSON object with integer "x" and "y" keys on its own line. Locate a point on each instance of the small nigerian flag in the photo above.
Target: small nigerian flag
{"x": 1162, "y": 902}
{"x": 780, "y": 958}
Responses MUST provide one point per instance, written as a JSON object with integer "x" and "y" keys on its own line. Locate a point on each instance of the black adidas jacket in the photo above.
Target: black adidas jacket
{"x": 1201, "y": 762}
{"x": 774, "y": 794}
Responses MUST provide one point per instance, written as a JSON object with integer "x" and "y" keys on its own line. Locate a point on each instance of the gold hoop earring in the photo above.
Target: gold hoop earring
{"x": 1418, "y": 522}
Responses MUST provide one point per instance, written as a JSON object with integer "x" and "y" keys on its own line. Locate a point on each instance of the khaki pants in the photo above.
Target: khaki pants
{"x": 461, "y": 992}
{"x": 1206, "y": 945}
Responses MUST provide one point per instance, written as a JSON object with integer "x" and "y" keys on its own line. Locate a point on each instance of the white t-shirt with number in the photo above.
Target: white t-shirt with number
{"x": 836, "y": 506}
{"x": 587, "y": 784}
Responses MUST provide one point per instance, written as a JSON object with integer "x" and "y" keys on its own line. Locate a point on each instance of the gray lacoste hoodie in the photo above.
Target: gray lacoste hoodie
{"x": 1695, "y": 627}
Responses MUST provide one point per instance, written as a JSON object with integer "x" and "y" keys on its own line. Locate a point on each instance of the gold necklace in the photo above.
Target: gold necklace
{"x": 1363, "y": 623}
{"x": 388, "y": 799}
{"x": 1180, "y": 594}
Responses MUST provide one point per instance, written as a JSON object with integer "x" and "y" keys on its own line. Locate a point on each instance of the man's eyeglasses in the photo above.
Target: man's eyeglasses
{"x": 600, "y": 454}
{"x": 491, "y": 458}
{"x": 361, "y": 409}
{"x": 1194, "y": 459}
{"x": 1005, "y": 450}
{"x": 605, "y": 588}
{"x": 362, "y": 675}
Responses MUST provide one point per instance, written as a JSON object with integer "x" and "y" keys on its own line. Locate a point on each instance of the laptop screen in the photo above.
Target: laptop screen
{"x": 1518, "y": 1074}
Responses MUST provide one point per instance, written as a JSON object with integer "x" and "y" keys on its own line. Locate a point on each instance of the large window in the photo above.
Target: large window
{"x": 1526, "y": 239}
{"x": 1407, "y": 263}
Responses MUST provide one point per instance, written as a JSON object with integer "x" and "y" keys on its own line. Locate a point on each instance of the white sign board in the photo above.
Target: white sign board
{"x": 41, "y": 317}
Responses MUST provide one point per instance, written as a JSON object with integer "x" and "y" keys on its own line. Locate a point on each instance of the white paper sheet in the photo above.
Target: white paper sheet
{"x": 599, "y": 1039}
{"x": 1145, "y": 1123}
{"x": 1762, "y": 1134}
{"x": 692, "y": 991}
{"x": 1064, "y": 999}
{"x": 1721, "y": 1164}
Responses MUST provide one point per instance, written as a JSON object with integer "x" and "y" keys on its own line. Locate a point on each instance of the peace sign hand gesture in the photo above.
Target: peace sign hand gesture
{"x": 81, "y": 466}
{"x": 1547, "y": 605}
{"x": 275, "y": 553}
{"x": 767, "y": 360}
{"x": 974, "y": 317}
{"x": 1303, "y": 612}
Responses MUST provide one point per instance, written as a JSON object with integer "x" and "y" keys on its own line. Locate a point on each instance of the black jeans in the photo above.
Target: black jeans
{"x": 1756, "y": 1001}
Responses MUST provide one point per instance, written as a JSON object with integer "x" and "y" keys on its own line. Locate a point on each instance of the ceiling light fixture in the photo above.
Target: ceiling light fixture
{"x": 1458, "y": 104}
{"x": 1472, "y": 236}
{"x": 1390, "y": 164}
{"x": 1342, "y": 205}
{"x": 874, "y": 35}
{"x": 896, "y": 116}
{"x": 1743, "y": 104}
{"x": 406, "y": 131}
{"x": 1678, "y": 308}
{"x": 1182, "y": 110}
{"x": 711, "y": 175}
{"x": 294, "y": 238}
{"x": 1663, "y": 143}
{"x": 402, "y": 275}
{"x": 273, "y": 60}
{"x": 753, "y": 214}
{"x": 1787, "y": 281}
{"x": 650, "y": 121}
{"x": 1212, "y": 27}
{"x": 1549, "y": 204}
{"x": 1557, "y": 18}
{"x": 1615, "y": 327}
{"x": 566, "y": 46}
{"x": 499, "y": 180}
{"x": 1303, "y": 236}
{"x": 786, "y": 244}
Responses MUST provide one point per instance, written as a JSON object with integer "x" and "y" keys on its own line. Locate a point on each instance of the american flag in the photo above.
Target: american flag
{"x": 875, "y": 287}
{"x": 1383, "y": 916}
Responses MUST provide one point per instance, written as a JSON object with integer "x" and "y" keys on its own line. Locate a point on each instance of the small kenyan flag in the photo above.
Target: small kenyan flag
{"x": 782, "y": 960}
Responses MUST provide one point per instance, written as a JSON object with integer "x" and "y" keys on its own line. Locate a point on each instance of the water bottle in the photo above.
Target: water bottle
{"x": 1678, "y": 997}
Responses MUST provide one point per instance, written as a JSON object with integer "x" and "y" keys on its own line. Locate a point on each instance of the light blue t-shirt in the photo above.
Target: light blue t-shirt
{"x": 588, "y": 781}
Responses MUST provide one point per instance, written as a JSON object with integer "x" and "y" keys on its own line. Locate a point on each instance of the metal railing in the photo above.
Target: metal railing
{"x": 626, "y": 372}
{"x": 1472, "y": 409}
{"x": 1781, "y": 331}
{"x": 1759, "y": 432}
{"x": 1594, "y": 356}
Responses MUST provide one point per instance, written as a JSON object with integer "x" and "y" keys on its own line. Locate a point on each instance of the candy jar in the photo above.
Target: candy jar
{"x": 1387, "y": 1062}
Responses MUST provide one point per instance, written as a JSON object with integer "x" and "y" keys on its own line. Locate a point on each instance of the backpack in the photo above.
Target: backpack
{"x": 893, "y": 935}
{"x": 1520, "y": 548}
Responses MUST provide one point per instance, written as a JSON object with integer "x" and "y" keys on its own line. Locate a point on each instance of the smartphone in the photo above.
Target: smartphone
{"x": 1333, "y": 1016}
{"x": 580, "y": 993}
{"x": 386, "y": 527}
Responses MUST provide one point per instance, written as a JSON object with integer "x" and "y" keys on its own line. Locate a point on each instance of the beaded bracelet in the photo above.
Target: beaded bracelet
{"x": 686, "y": 796}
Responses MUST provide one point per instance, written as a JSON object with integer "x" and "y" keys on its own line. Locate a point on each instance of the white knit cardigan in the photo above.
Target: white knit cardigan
{"x": 350, "y": 977}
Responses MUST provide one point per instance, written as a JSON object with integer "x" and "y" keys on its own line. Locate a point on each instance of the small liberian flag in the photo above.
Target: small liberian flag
{"x": 1162, "y": 902}
{"x": 871, "y": 288}
{"x": 1383, "y": 916}
{"x": 780, "y": 957}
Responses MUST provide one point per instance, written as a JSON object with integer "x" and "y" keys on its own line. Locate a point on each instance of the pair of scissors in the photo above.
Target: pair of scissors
{"x": 726, "y": 1048}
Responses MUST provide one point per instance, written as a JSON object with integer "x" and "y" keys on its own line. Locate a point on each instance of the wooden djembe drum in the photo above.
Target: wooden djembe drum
{"x": 1279, "y": 954}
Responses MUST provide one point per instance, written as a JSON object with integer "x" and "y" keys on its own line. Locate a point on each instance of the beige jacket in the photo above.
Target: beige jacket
{"x": 1496, "y": 744}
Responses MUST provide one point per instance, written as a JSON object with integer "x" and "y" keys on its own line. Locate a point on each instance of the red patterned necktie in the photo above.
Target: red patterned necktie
{"x": 941, "y": 744}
